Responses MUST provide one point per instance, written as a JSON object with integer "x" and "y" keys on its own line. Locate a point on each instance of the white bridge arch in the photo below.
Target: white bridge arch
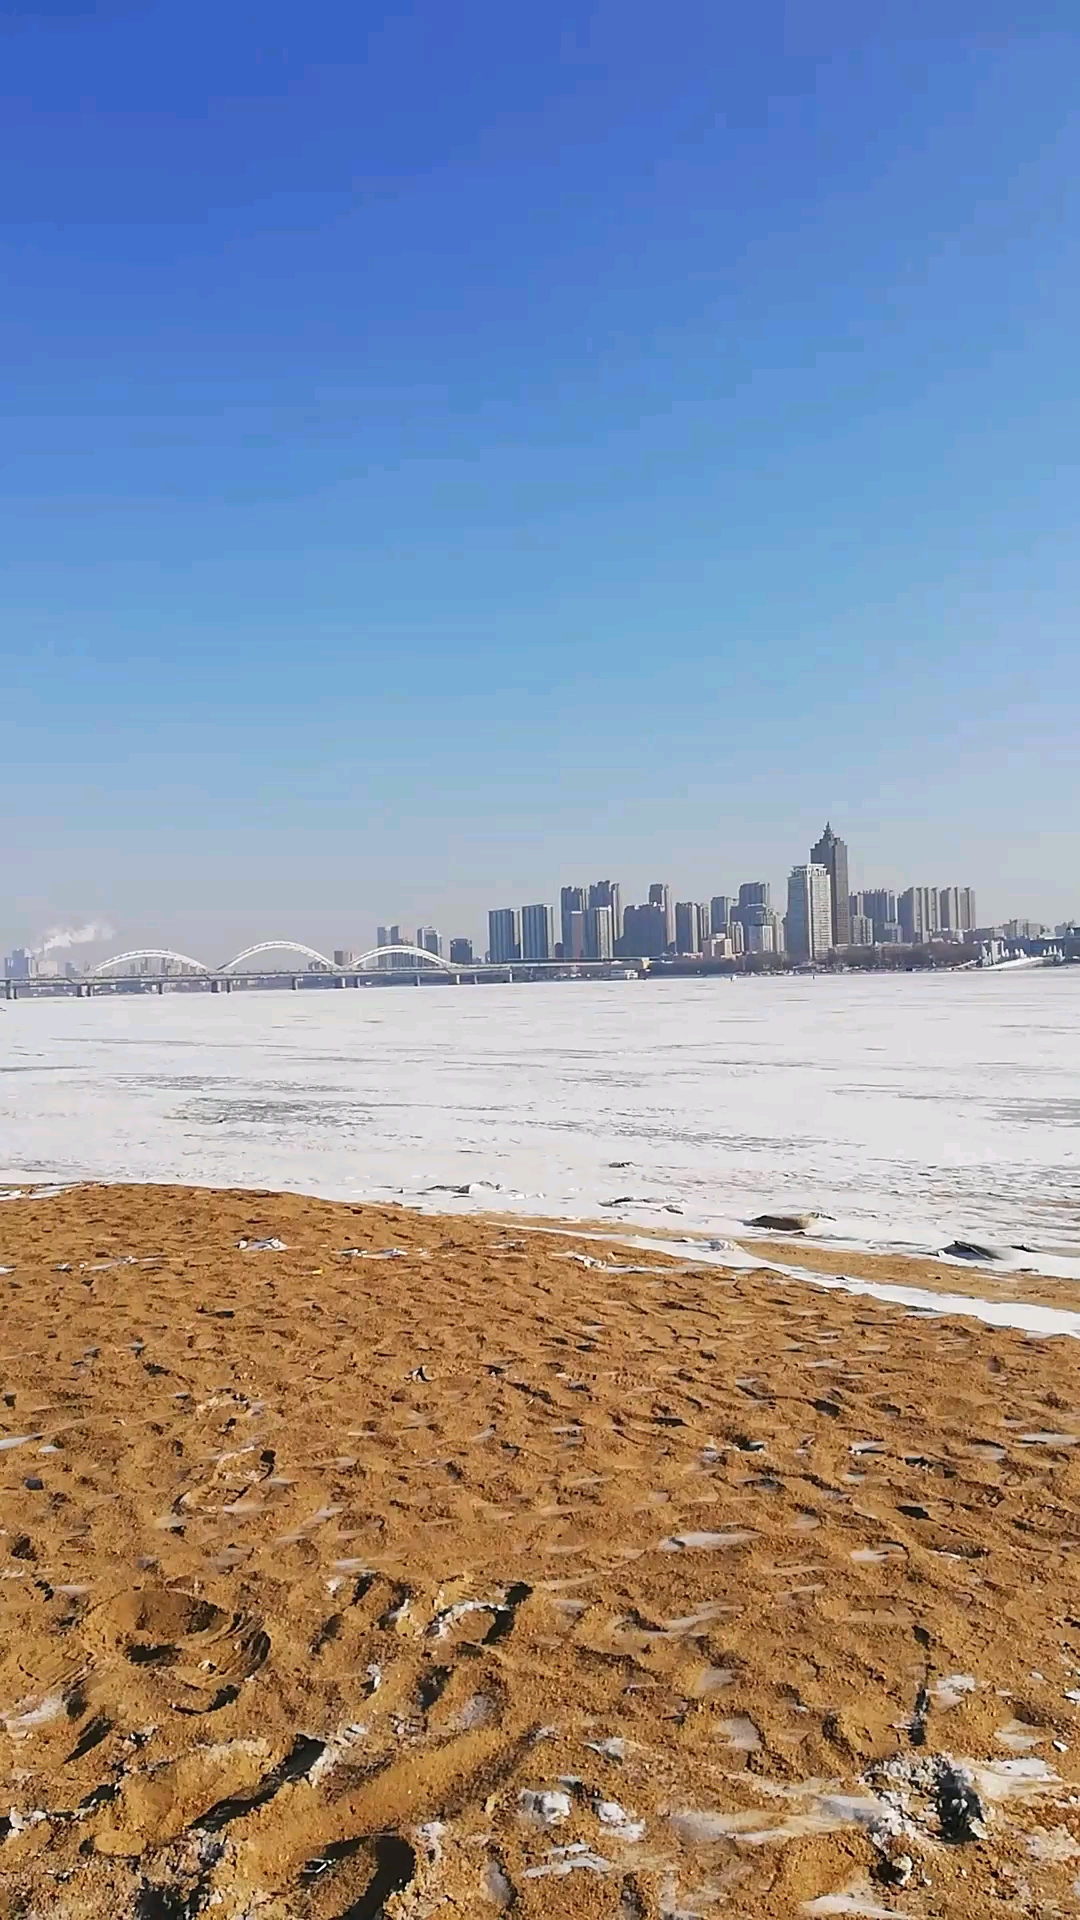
{"x": 149, "y": 953}
{"x": 278, "y": 946}
{"x": 364, "y": 961}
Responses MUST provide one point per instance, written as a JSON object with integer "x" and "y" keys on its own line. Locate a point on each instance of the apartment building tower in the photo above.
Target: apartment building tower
{"x": 571, "y": 900}
{"x": 918, "y": 912}
{"x": 660, "y": 896}
{"x": 537, "y": 933}
{"x": 808, "y": 928}
{"x": 504, "y": 934}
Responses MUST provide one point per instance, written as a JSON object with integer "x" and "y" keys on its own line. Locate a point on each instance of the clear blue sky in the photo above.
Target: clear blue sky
{"x": 453, "y": 449}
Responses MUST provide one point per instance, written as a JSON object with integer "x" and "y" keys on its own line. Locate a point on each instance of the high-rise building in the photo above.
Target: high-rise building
{"x": 538, "y": 933}
{"x": 429, "y": 940}
{"x": 720, "y": 912}
{"x": 878, "y": 904}
{"x": 660, "y": 896}
{"x": 461, "y": 952}
{"x": 831, "y": 853}
{"x": 686, "y": 927}
{"x": 918, "y": 913}
{"x": 393, "y": 962}
{"x": 19, "y": 964}
{"x": 862, "y": 930}
{"x": 607, "y": 893}
{"x": 599, "y": 933}
{"x": 956, "y": 909}
{"x": 644, "y": 932}
{"x": 571, "y": 900}
{"x": 574, "y": 944}
{"x": 808, "y": 929}
{"x": 752, "y": 907}
{"x": 504, "y": 934}
{"x": 754, "y": 893}
{"x": 760, "y": 935}
{"x": 343, "y": 957}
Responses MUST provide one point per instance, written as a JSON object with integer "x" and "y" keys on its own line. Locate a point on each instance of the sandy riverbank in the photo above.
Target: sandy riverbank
{"x": 491, "y": 1574}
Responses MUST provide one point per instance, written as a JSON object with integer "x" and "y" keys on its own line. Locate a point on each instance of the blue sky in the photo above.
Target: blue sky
{"x": 450, "y": 450}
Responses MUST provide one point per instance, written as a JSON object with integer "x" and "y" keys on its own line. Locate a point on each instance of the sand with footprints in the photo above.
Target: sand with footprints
{"x": 418, "y": 1565}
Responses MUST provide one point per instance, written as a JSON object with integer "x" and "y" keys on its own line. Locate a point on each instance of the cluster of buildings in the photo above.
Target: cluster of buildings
{"x": 428, "y": 940}
{"x": 23, "y": 964}
{"x": 823, "y": 915}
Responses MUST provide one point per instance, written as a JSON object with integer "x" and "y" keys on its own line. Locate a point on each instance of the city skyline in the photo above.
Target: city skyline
{"x": 596, "y": 921}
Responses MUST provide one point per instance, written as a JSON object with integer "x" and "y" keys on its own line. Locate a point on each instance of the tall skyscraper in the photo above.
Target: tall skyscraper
{"x": 720, "y": 912}
{"x": 461, "y": 952}
{"x": 599, "y": 933}
{"x": 429, "y": 940}
{"x": 660, "y": 896}
{"x": 918, "y": 911}
{"x": 574, "y": 943}
{"x": 571, "y": 900}
{"x": 538, "y": 933}
{"x": 808, "y": 929}
{"x": 686, "y": 928}
{"x": 19, "y": 964}
{"x": 644, "y": 932}
{"x": 607, "y": 893}
{"x": 831, "y": 853}
{"x": 504, "y": 934}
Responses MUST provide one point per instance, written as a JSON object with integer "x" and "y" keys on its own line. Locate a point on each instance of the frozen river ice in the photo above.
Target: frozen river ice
{"x": 912, "y": 1108}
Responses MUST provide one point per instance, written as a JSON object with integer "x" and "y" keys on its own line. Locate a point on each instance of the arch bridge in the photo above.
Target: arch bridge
{"x": 278, "y": 946}
{"x": 149, "y": 953}
{"x": 372, "y": 957}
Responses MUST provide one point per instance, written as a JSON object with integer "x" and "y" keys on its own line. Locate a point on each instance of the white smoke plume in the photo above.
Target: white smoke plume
{"x": 58, "y": 938}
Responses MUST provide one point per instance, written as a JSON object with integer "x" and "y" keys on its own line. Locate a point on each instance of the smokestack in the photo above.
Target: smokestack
{"x": 60, "y": 937}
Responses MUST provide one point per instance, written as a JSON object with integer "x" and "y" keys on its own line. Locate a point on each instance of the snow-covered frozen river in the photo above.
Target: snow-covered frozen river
{"x": 913, "y": 1108}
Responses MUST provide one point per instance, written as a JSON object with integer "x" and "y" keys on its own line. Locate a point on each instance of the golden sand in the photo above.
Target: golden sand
{"x": 495, "y": 1576}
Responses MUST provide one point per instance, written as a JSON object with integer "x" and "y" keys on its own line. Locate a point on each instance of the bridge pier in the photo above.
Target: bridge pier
{"x": 296, "y": 983}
